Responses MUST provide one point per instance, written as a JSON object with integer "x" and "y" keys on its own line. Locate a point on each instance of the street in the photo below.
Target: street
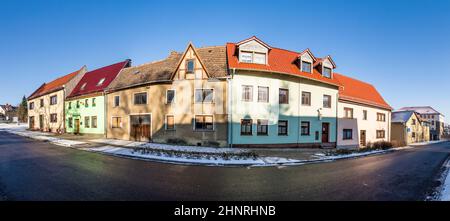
{"x": 34, "y": 170}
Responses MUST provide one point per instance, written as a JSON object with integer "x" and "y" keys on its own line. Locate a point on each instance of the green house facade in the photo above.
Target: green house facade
{"x": 85, "y": 115}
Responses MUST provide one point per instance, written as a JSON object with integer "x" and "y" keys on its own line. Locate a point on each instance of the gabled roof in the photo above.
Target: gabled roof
{"x": 421, "y": 110}
{"x": 213, "y": 58}
{"x": 401, "y": 116}
{"x": 360, "y": 92}
{"x": 320, "y": 61}
{"x": 279, "y": 61}
{"x": 54, "y": 85}
{"x": 309, "y": 52}
{"x": 90, "y": 83}
{"x": 254, "y": 38}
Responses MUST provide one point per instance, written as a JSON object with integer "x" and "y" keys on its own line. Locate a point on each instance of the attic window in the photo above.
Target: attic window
{"x": 137, "y": 72}
{"x": 327, "y": 72}
{"x": 83, "y": 86}
{"x": 252, "y": 57}
{"x": 100, "y": 82}
{"x": 306, "y": 66}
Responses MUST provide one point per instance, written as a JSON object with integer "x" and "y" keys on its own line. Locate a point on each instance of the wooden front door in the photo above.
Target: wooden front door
{"x": 325, "y": 132}
{"x": 77, "y": 126}
{"x": 140, "y": 127}
{"x": 362, "y": 138}
{"x": 31, "y": 122}
{"x": 41, "y": 122}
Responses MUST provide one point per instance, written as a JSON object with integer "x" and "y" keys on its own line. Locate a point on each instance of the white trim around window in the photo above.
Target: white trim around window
{"x": 174, "y": 96}
{"x": 213, "y": 95}
{"x": 165, "y": 122}
{"x": 141, "y": 92}
{"x": 202, "y": 130}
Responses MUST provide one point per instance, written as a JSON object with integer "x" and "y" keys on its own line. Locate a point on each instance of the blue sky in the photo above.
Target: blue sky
{"x": 402, "y": 47}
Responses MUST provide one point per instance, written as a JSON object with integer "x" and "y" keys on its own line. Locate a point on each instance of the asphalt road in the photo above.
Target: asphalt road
{"x": 34, "y": 170}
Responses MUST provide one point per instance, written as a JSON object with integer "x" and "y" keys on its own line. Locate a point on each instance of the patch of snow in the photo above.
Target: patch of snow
{"x": 126, "y": 143}
{"x": 427, "y": 142}
{"x": 445, "y": 193}
{"x": 120, "y": 151}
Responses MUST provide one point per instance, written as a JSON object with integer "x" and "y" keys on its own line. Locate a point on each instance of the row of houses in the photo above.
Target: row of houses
{"x": 8, "y": 113}
{"x": 245, "y": 94}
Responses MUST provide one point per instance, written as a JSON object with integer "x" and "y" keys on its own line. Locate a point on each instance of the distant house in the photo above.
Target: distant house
{"x": 408, "y": 127}
{"x": 435, "y": 119}
{"x": 46, "y": 104}
{"x": 8, "y": 113}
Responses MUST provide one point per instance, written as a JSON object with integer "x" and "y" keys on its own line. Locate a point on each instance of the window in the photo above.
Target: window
{"x": 413, "y": 122}
{"x": 86, "y": 122}
{"x": 170, "y": 122}
{"x": 86, "y": 103}
{"x": 204, "y": 95}
{"x": 282, "y": 127}
{"x": 170, "y": 96}
{"x": 204, "y": 122}
{"x": 53, "y": 100}
{"x": 262, "y": 127}
{"x": 246, "y": 57}
{"x": 348, "y": 113}
{"x": 413, "y": 134}
{"x": 94, "y": 121}
{"x": 93, "y": 102}
{"x": 41, "y": 103}
{"x": 305, "y": 127}
{"x": 78, "y": 104}
{"x": 306, "y": 98}
{"x": 348, "y": 134}
{"x": 140, "y": 98}
{"x": 116, "y": 122}
{"x": 246, "y": 127}
{"x": 31, "y": 106}
{"x": 381, "y": 117}
{"x": 316, "y": 135}
{"x": 259, "y": 58}
{"x": 83, "y": 86}
{"x": 284, "y": 96}
{"x": 364, "y": 114}
{"x": 53, "y": 118}
{"x": 70, "y": 122}
{"x": 326, "y": 101}
{"x": 100, "y": 82}
{"x": 263, "y": 94}
{"x": 380, "y": 134}
{"x": 70, "y": 105}
{"x": 306, "y": 66}
{"x": 327, "y": 72}
{"x": 190, "y": 66}
{"x": 247, "y": 93}
{"x": 116, "y": 101}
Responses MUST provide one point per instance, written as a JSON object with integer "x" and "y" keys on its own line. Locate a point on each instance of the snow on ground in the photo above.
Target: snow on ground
{"x": 21, "y": 131}
{"x": 120, "y": 151}
{"x": 160, "y": 146}
{"x": 426, "y": 143}
{"x": 445, "y": 192}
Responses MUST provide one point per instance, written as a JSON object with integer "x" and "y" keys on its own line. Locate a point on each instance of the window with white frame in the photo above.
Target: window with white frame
{"x": 327, "y": 72}
{"x": 204, "y": 122}
{"x": 170, "y": 122}
{"x": 263, "y": 94}
{"x": 247, "y": 93}
{"x": 306, "y": 66}
{"x": 252, "y": 57}
{"x": 140, "y": 98}
{"x": 116, "y": 101}
{"x": 204, "y": 95}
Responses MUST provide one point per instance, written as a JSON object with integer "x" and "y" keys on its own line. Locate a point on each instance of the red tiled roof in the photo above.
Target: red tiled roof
{"x": 279, "y": 61}
{"x": 92, "y": 78}
{"x": 360, "y": 92}
{"x": 54, "y": 85}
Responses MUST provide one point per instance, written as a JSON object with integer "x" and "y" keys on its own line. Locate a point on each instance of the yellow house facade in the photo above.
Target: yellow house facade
{"x": 407, "y": 127}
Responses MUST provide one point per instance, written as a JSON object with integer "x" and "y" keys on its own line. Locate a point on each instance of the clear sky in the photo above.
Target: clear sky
{"x": 402, "y": 47}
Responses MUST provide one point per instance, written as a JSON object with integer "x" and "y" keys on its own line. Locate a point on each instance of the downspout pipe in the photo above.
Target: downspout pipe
{"x": 230, "y": 99}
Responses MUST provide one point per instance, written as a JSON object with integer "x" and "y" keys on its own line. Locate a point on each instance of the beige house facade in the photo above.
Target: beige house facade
{"x": 181, "y": 99}
{"x": 46, "y": 104}
{"x": 408, "y": 127}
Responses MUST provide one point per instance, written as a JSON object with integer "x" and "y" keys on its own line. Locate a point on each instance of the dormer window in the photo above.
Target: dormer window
{"x": 327, "y": 72}
{"x": 252, "y": 57}
{"x": 190, "y": 65}
{"x": 100, "y": 82}
{"x": 306, "y": 66}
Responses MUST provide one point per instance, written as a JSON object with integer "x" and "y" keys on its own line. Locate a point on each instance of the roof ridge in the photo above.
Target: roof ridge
{"x": 126, "y": 60}
{"x": 152, "y": 62}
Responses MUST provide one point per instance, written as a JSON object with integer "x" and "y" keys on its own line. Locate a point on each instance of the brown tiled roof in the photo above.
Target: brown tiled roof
{"x": 54, "y": 85}
{"x": 146, "y": 73}
{"x": 214, "y": 59}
